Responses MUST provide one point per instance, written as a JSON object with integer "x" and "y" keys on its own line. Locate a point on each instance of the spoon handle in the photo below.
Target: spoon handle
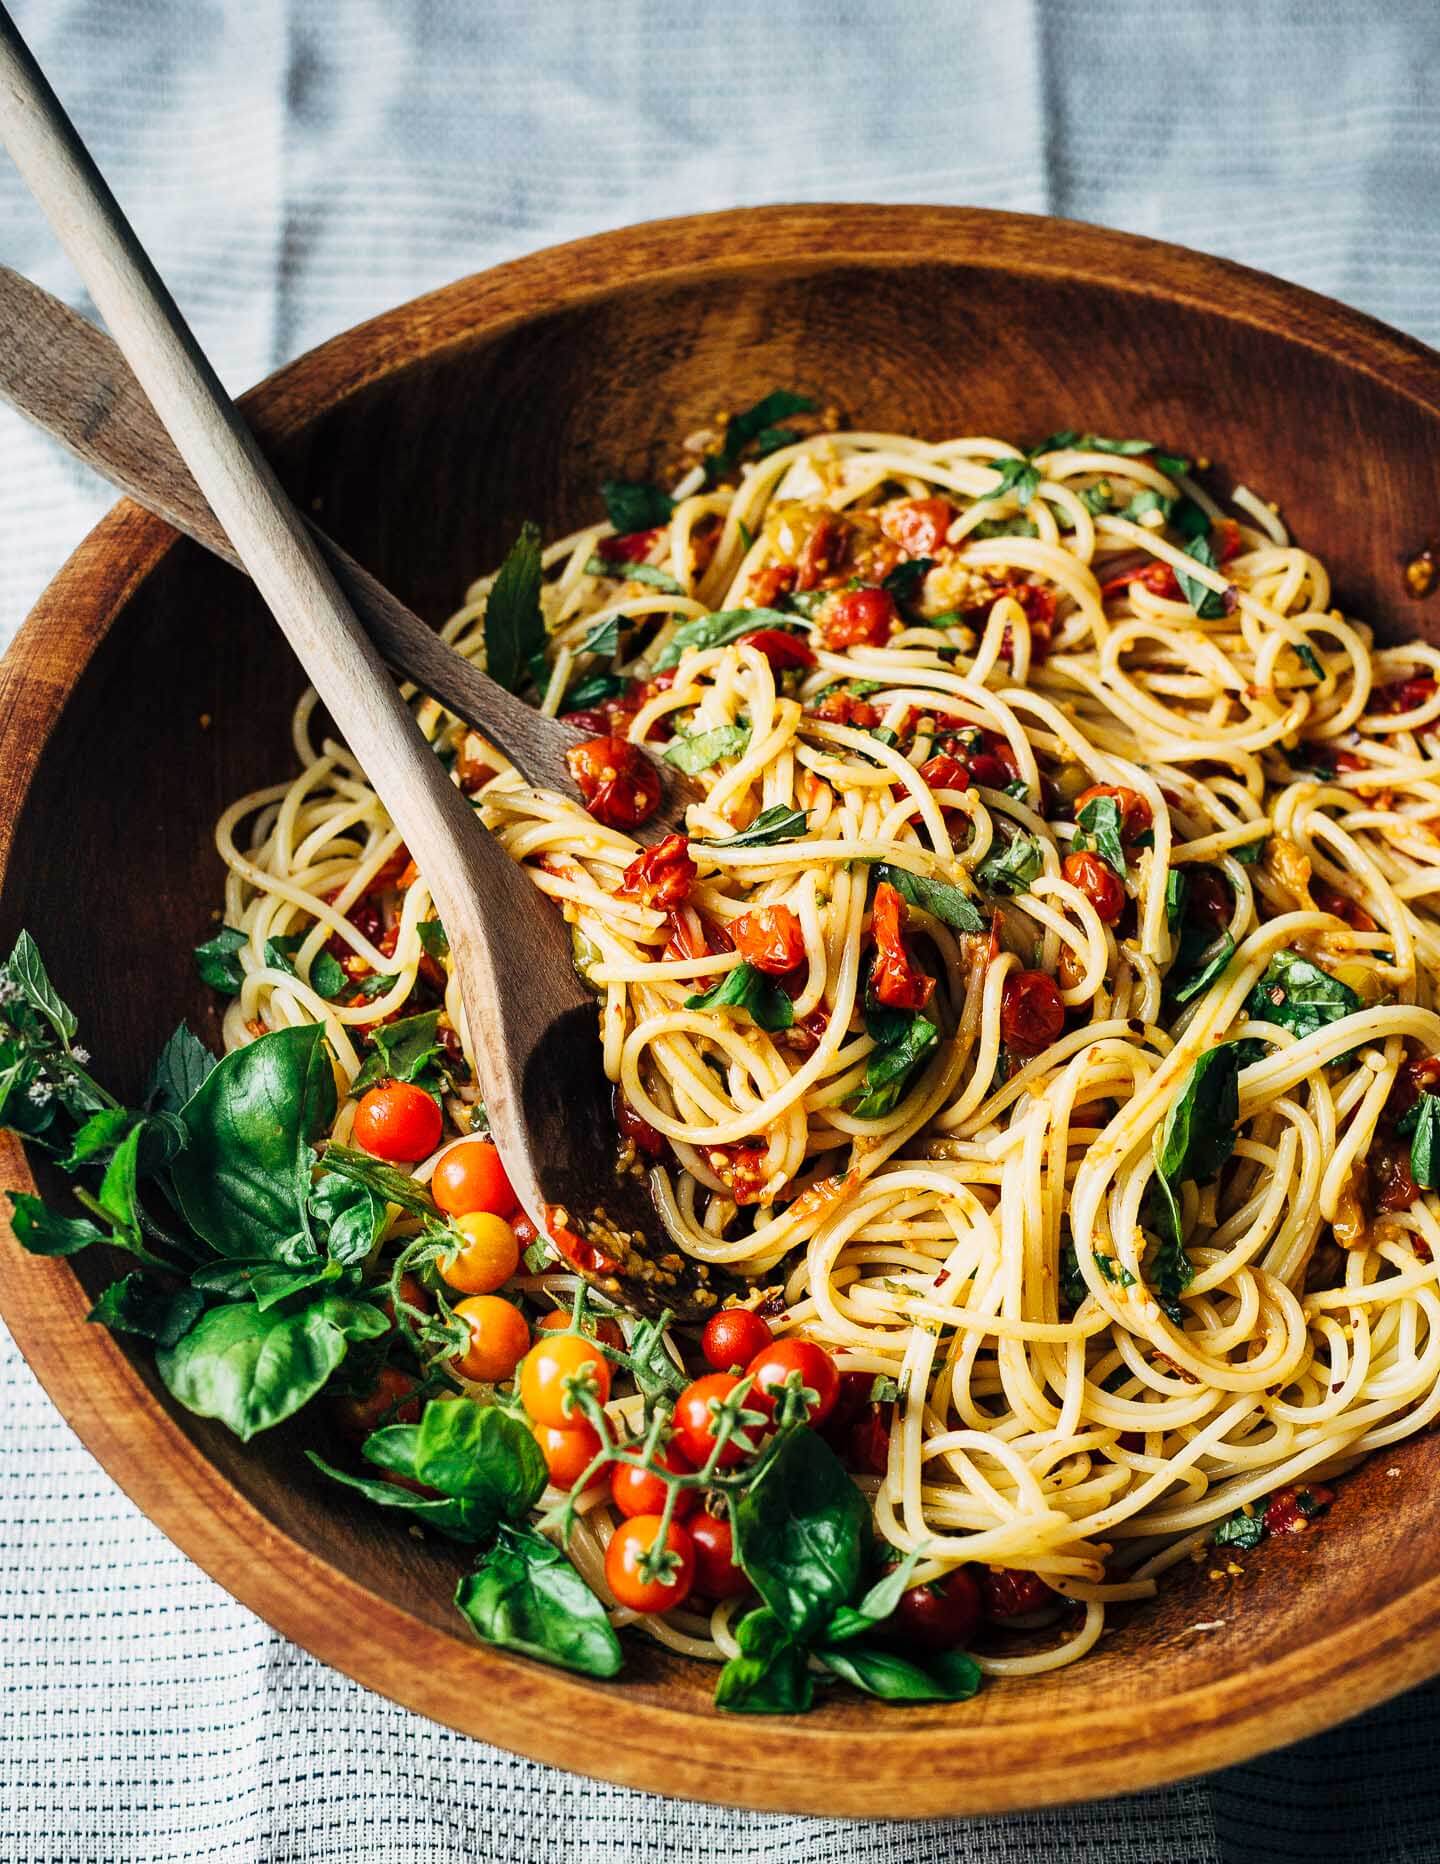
{"x": 463, "y": 864}
{"x": 70, "y": 379}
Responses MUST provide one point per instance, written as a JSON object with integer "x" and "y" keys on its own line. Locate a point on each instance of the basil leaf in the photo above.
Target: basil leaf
{"x": 1012, "y": 868}
{"x": 1072, "y": 1283}
{"x": 135, "y": 1304}
{"x": 25, "y": 969}
{"x": 940, "y": 1676}
{"x": 1099, "y": 824}
{"x": 1209, "y": 963}
{"x": 1240, "y": 1530}
{"x": 1170, "y": 1269}
{"x": 645, "y": 573}
{"x": 936, "y": 897}
{"x": 771, "y": 825}
{"x": 514, "y": 623}
{"x": 905, "y": 579}
{"x": 603, "y": 638}
{"x": 217, "y": 962}
{"x": 400, "y": 1051}
{"x": 280, "y": 952}
{"x": 350, "y": 1215}
{"x": 117, "y": 1193}
{"x": 181, "y": 1071}
{"x": 1249, "y": 852}
{"x": 265, "y": 1283}
{"x": 1146, "y": 500}
{"x": 878, "y": 1604}
{"x": 1015, "y": 475}
{"x": 1097, "y": 498}
{"x": 635, "y": 505}
{"x": 482, "y": 1452}
{"x": 752, "y": 424}
{"x": 706, "y": 748}
{"x": 888, "y": 1071}
{"x": 243, "y": 1179}
{"x": 433, "y": 940}
{"x": 328, "y": 977}
{"x": 1171, "y": 463}
{"x": 1310, "y": 659}
{"x": 1053, "y": 443}
{"x": 1014, "y": 526}
{"x": 386, "y": 1181}
{"x": 45, "y": 1232}
{"x": 100, "y": 1133}
{"x": 799, "y": 1532}
{"x": 1203, "y": 599}
{"x": 1299, "y": 996}
{"x": 1114, "y": 1272}
{"x": 594, "y": 691}
{"x": 252, "y": 1370}
{"x": 1189, "y": 519}
{"x": 455, "y": 1516}
{"x": 770, "y": 1676}
{"x": 526, "y": 1596}
{"x": 749, "y": 989}
{"x": 1198, "y": 1133}
{"x": 1177, "y": 885}
{"x": 1425, "y": 1145}
{"x": 718, "y": 630}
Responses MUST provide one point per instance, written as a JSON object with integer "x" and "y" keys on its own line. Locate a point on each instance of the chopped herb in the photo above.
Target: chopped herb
{"x": 756, "y": 422}
{"x": 1011, "y": 869}
{"x": 1203, "y": 599}
{"x": 635, "y": 505}
{"x": 594, "y": 691}
{"x": 719, "y": 630}
{"x": 771, "y": 825}
{"x": 1100, "y": 823}
{"x": 706, "y": 748}
{"x": 645, "y": 573}
{"x": 1097, "y": 498}
{"x": 1249, "y": 852}
{"x": 432, "y": 938}
{"x": 1425, "y": 1144}
{"x": 1146, "y": 500}
{"x": 218, "y": 962}
{"x": 514, "y": 623}
{"x": 1014, "y": 526}
{"x": 1195, "y": 971}
{"x": 1299, "y": 996}
{"x": 1015, "y": 475}
{"x": 1240, "y": 1530}
{"x": 1053, "y": 443}
{"x": 603, "y": 638}
{"x": 1176, "y": 886}
{"x": 936, "y": 897}
{"x": 1194, "y": 1141}
{"x": 884, "y": 1391}
{"x": 1072, "y": 1282}
{"x": 1114, "y": 1272}
{"x": 905, "y": 579}
{"x": 1310, "y": 659}
{"x": 746, "y": 988}
{"x": 891, "y": 1065}
{"x": 328, "y": 976}
{"x": 406, "y": 1050}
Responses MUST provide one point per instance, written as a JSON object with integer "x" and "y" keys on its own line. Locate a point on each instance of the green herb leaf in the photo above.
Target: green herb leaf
{"x": 1097, "y": 498}
{"x": 1099, "y": 827}
{"x": 878, "y": 1604}
{"x": 905, "y": 579}
{"x": 1206, "y": 603}
{"x": 1146, "y": 500}
{"x": 1299, "y": 996}
{"x": 386, "y": 1181}
{"x": 455, "y": 1516}
{"x": 1115, "y": 1272}
{"x": 889, "y": 1068}
{"x": 1011, "y": 869}
{"x": 135, "y": 1304}
{"x": 646, "y": 573}
{"x": 1013, "y": 526}
{"x": 752, "y": 424}
{"x": 1198, "y": 970}
{"x": 1310, "y": 659}
{"x": 100, "y": 1134}
{"x": 401, "y": 1051}
{"x": 328, "y": 977}
{"x": 526, "y": 1596}
{"x": 936, "y": 897}
{"x": 432, "y": 938}
{"x": 45, "y": 1232}
{"x": 514, "y": 622}
{"x": 1177, "y": 885}
{"x": 1245, "y": 1531}
{"x": 1198, "y": 1132}
{"x": 1015, "y": 475}
{"x": 772, "y": 825}
{"x": 749, "y": 989}
{"x": 706, "y": 748}
{"x": 182, "y": 1069}
{"x": 1053, "y": 443}
{"x": 217, "y": 961}
{"x": 1170, "y": 1270}
{"x": 117, "y": 1194}
{"x": 603, "y": 638}
{"x": 718, "y": 630}
{"x": 1425, "y": 1144}
{"x": 799, "y": 1532}
{"x": 940, "y": 1676}
{"x": 265, "y": 1283}
{"x": 1072, "y": 1282}
{"x": 482, "y": 1452}
{"x": 1249, "y": 852}
{"x": 770, "y": 1676}
{"x": 25, "y": 969}
{"x": 635, "y": 505}
{"x": 349, "y": 1216}
{"x": 594, "y": 691}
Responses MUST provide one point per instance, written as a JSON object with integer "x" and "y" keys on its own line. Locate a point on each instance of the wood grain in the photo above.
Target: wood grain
{"x": 421, "y": 440}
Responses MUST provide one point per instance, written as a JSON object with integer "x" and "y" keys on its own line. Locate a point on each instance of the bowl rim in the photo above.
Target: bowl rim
{"x": 954, "y": 1761}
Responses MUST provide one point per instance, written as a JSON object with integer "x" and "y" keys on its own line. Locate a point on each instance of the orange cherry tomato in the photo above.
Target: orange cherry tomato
{"x": 398, "y": 1122}
{"x": 772, "y": 1367}
{"x": 733, "y": 1337}
{"x": 470, "y": 1176}
{"x": 638, "y": 1492}
{"x": 499, "y": 1336}
{"x": 568, "y": 1453}
{"x": 629, "y": 1544}
{"x": 716, "y": 1574}
{"x": 486, "y": 1256}
{"x": 694, "y": 1425}
{"x": 548, "y": 1365}
{"x": 598, "y": 1326}
{"x": 661, "y": 876}
{"x": 769, "y": 937}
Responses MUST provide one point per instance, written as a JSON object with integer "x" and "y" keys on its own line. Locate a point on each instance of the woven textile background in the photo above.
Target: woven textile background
{"x": 296, "y": 165}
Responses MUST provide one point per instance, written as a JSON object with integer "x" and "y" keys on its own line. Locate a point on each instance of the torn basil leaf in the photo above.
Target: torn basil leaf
{"x": 936, "y": 897}
{"x": 1099, "y": 825}
{"x": 1013, "y": 868}
{"x": 218, "y": 962}
{"x": 772, "y": 825}
{"x": 746, "y": 988}
{"x": 1195, "y": 970}
{"x": 706, "y": 748}
{"x": 514, "y": 624}
{"x": 1015, "y": 475}
{"x": 635, "y": 505}
{"x": 645, "y": 573}
{"x": 1207, "y": 604}
{"x": 718, "y": 630}
{"x": 1299, "y": 996}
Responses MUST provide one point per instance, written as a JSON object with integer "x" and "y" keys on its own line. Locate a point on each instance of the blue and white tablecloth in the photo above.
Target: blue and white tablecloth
{"x": 296, "y": 165}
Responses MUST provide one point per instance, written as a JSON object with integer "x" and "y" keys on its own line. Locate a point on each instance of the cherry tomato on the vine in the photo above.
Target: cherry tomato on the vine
{"x": 629, "y": 1545}
{"x": 694, "y": 1425}
{"x": 598, "y": 1326}
{"x": 733, "y": 1337}
{"x": 943, "y": 1615}
{"x": 499, "y": 1336}
{"x": 486, "y": 1256}
{"x": 772, "y": 1367}
{"x": 1008, "y": 1593}
{"x": 716, "y": 1574}
{"x": 398, "y": 1122}
{"x": 471, "y": 1176}
{"x": 547, "y": 1366}
{"x": 568, "y": 1453}
{"x": 639, "y": 1492}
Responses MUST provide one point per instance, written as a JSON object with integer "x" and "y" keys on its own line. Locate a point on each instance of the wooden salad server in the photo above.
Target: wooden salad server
{"x": 532, "y": 1023}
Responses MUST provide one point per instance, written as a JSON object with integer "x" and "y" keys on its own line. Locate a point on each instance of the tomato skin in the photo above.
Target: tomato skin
{"x": 471, "y": 1176}
{"x": 919, "y": 525}
{"x": 733, "y": 1337}
{"x": 1291, "y": 1510}
{"x": 1008, "y": 1594}
{"x": 1395, "y": 1186}
{"x": 716, "y": 1574}
{"x": 568, "y": 1453}
{"x": 628, "y": 1544}
{"x": 1403, "y": 695}
{"x": 692, "y": 1421}
{"x": 781, "y": 648}
{"x": 858, "y": 618}
{"x": 1208, "y": 898}
{"x": 1330, "y": 900}
{"x": 616, "y": 780}
{"x": 769, "y": 937}
{"x": 486, "y": 1256}
{"x": 390, "y": 1402}
{"x": 629, "y": 546}
{"x": 545, "y": 1369}
{"x": 771, "y": 1367}
{"x": 596, "y": 1326}
{"x": 636, "y": 1128}
{"x": 838, "y": 707}
{"x": 661, "y": 876}
{"x": 499, "y": 1336}
{"x": 1098, "y": 881}
{"x": 637, "y": 1492}
{"x": 1032, "y": 1014}
{"x": 944, "y": 772}
{"x": 740, "y": 1167}
{"x": 867, "y": 1446}
{"x": 768, "y": 585}
{"x": 1157, "y": 577}
{"x": 397, "y": 1122}
{"x": 895, "y": 979}
{"x": 824, "y": 551}
{"x": 944, "y": 1615}
{"x": 1135, "y": 813}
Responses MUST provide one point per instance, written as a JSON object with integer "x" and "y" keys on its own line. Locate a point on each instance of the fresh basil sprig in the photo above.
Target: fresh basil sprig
{"x": 936, "y": 897}
{"x": 647, "y": 573}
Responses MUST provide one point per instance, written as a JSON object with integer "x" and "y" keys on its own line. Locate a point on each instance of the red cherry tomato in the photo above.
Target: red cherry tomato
{"x": 944, "y": 772}
{"x": 634, "y": 1127}
{"x": 398, "y": 1122}
{"x": 471, "y": 1176}
{"x": 895, "y": 979}
{"x": 919, "y": 525}
{"x": 838, "y": 707}
{"x": 388, "y": 1402}
{"x": 629, "y": 547}
{"x": 629, "y": 1544}
{"x": 618, "y": 783}
{"x": 694, "y": 1425}
{"x": 543, "y": 1375}
{"x": 1403, "y": 695}
{"x": 1008, "y": 1594}
{"x": 945, "y": 1615}
{"x": 1098, "y": 881}
{"x": 824, "y": 551}
{"x": 769, "y": 937}
{"x": 772, "y": 1367}
{"x": 1331, "y": 900}
{"x": 662, "y": 876}
{"x": 638, "y": 1492}
{"x": 733, "y": 1337}
{"x": 988, "y": 770}
{"x": 1135, "y": 813}
{"x": 781, "y": 648}
{"x": 1032, "y": 1014}
{"x": 1208, "y": 899}
{"x": 858, "y": 618}
{"x": 867, "y": 1444}
{"x": 1290, "y": 1511}
{"x": 568, "y": 1453}
{"x": 1158, "y": 578}
{"x": 716, "y": 1574}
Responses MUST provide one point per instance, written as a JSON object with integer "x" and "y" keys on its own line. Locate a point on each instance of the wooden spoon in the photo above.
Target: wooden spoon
{"x": 532, "y": 1024}
{"x": 67, "y": 377}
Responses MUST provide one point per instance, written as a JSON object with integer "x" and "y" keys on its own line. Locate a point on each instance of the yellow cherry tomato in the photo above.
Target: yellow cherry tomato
{"x": 499, "y": 1337}
{"x": 485, "y": 1258}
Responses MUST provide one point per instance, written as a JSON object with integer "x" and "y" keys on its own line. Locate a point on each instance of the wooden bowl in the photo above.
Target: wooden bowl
{"x": 148, "y": 690}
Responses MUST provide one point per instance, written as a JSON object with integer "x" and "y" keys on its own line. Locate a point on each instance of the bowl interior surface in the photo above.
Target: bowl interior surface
{"x": 149, "y": 691}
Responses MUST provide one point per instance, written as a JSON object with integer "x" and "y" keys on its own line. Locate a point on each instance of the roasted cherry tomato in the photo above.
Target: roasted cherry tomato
{"x": 733, "y": 1337}
{"x": 1331, "y": 900}
{"x": 1395, "y": 1186}
{"x": 1135, "y": 815}
{"x": 740, "y": 1167}
{"x": 634, "y": 1127}
{"x": 624, "y": 1573}
{"x": 628, "y": 547}
{"x": 772, "y": 1367}
{"x": 919, "y": 525}
{"x": 568, "y": 1453}
{"x": 543, "y": 1376}
{"x": 944, "y": 1615}
{"x": 824, "y": 551}
{"x": 662, "y": 876}
{"x": 768, "y": 585}
{"x": 638, "y": 1492}
{"x": 498, "y": 1338}
{"x": 398, "y": 1122}
{"x": 716, "y": 1574}
{"x": 1208, "y": 899}
{"x": 897, "y": 981}
{"x": 781, "y": 648}
{"x": 471, "y": 1176}
{"x": 1098, "y": 881}
{"x": 838, "y": 707}
{"x": 694, "y": 1425}
{"x": 1403, "y": 695}
{"x": 1290, "y": 1511}
{"x": 858, "y": 618}
{"x": 1005, "y": 1593}
{"x": 390, "y": 1401}
{"x": 1032, "y": 1014}
{"x": 595, "y": 1326}
{"x": 486, "y": 1256}
{"x": 619, "y": 784}
{"x": 867, "y": 1443}
{"x": 1157, "y": 577}
{"x": 769, "y": 937}
{"x": 944, "y": 772}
